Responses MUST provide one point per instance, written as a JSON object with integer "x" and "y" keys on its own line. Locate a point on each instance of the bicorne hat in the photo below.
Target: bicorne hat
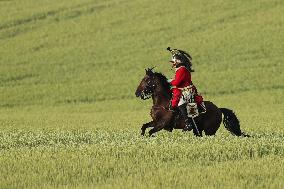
{"x": 181, "y": 57}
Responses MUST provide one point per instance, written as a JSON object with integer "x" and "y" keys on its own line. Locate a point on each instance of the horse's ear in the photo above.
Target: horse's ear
{"x": 152, "y": 68}
{"x": 149, "y": 71}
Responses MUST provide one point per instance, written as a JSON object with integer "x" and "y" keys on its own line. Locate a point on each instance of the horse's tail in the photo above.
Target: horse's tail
{"x": 232, "y": 123}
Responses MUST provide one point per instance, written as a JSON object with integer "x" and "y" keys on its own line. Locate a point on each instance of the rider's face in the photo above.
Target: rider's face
{"x": 174, "y": 62}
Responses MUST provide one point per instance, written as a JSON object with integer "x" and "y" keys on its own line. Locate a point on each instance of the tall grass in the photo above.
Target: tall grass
{"x": 69, "y": 70}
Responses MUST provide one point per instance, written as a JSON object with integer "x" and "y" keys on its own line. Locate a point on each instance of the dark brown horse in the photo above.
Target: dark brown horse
{"x": 154, "y": 85}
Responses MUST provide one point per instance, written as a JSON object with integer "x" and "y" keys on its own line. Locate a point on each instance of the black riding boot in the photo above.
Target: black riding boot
{"x": 188, "y": 124}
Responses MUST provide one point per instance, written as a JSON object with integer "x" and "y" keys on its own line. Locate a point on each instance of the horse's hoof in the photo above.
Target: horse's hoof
{"x": 142, "y": 133}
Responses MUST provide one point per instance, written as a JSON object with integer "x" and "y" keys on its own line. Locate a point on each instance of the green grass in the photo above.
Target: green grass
{"x": 69, "y": 70}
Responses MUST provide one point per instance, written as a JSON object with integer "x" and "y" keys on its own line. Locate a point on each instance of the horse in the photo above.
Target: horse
{"x": 155, "y": 85}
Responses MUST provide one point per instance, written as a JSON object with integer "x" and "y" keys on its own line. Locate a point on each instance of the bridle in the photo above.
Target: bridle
{"x": 148, "y": 92}
{"x": 149, "y": 89}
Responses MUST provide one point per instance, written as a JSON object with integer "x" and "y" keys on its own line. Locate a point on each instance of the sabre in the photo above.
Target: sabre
{"x": 195, "y": 127}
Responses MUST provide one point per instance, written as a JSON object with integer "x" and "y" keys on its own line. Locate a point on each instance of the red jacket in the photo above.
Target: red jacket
{"x": 182, "y": 79}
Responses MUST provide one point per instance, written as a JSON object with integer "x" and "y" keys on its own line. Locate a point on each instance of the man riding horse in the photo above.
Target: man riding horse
{"x": 184, "y": 98}
{"x": 182, "y": 86}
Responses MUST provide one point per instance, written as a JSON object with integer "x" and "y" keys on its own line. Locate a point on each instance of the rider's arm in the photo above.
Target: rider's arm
{"x": 179, "y": 77}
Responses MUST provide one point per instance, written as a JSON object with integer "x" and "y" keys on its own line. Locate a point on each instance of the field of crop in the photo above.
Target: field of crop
{"x": 69, "y": 69}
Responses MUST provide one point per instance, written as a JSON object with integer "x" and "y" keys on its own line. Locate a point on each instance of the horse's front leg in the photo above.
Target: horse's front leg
{"x": 145, "y": 126}
{"x": 159, "y": 126}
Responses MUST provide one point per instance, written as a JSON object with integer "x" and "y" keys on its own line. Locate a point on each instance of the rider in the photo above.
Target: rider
{"x": 181, "y": 61}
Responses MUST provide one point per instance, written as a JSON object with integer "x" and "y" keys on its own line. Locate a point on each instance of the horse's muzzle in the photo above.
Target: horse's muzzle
{"x": 137, "y": 93}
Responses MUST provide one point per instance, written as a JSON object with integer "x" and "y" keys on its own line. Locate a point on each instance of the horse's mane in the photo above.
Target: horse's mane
{"x": 164, "y": 82}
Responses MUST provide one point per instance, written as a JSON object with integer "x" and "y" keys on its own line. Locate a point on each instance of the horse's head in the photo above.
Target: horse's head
{"x": 146, "y": 86}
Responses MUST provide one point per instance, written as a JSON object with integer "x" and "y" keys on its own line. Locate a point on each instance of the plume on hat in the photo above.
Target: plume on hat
{"x": 183, "y": 56}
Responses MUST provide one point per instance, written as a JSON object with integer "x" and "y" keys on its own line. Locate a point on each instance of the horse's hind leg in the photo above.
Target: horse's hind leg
{"x": 145, "y": 126}
{"x": 211, "y": 128}
{"x": 209, "y": 132}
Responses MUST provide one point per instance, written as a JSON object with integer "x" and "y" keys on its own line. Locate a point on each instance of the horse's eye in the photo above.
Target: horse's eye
{"x": 147, "y": 80}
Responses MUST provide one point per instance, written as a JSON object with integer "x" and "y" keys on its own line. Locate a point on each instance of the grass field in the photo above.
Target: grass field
{"x": 69, "y": 69}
